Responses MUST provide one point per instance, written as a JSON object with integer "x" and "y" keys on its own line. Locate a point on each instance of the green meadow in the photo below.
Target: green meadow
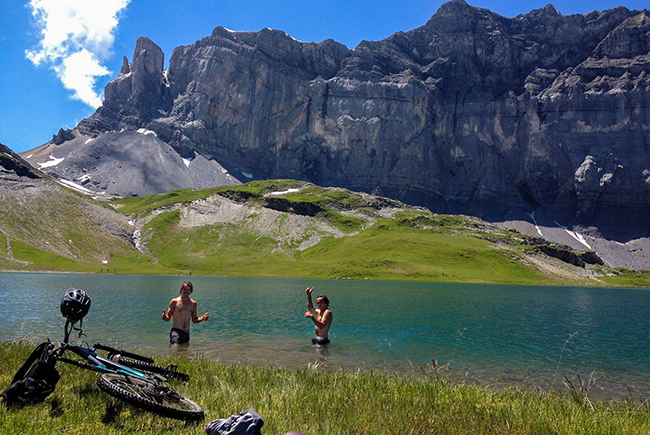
{"x": 411, "y": 245}
{"x": 314, "y": 401}
{"x": 341, "y": 235}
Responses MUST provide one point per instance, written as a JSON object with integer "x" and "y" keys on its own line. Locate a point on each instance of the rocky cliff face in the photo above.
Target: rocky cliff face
{"x": 473, "y": 112}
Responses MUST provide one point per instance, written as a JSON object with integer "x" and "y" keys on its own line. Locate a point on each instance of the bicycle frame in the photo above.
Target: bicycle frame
{"x": 96, "y": 362}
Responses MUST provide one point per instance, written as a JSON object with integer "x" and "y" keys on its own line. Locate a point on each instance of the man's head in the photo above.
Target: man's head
{"x": 322, "y": 300}
{"x": 187, "y": 287}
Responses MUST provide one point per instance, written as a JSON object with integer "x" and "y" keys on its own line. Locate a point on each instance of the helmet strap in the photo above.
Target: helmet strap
{"x": 80, "y": 329}
{"x": 68, "y": 329}
{"x": 69, "y": 326}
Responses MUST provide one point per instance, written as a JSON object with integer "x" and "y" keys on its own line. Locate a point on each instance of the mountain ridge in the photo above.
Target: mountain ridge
{"x": 471, "y": 113}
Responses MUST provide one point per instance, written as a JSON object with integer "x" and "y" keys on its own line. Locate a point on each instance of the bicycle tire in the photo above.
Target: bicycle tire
{"x": 170, "y": 373}
{"x": 154, "y": 397}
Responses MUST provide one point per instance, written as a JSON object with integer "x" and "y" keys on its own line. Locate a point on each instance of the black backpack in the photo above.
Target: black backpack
{"x": 33, "y": 386}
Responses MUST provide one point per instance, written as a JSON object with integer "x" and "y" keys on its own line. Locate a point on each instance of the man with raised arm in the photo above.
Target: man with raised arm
{"x": 182, "y": 309}
{"x": 322, "y": 317}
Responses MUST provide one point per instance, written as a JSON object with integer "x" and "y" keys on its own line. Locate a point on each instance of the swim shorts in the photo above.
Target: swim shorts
{"x": 319, "y": 340}
{"x": 178, "y": 336}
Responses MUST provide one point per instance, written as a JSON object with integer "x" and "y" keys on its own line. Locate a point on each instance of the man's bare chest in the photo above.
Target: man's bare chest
{"x": 184, "y": 306}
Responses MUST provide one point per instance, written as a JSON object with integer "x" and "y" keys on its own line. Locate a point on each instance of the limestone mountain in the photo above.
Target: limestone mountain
{"x": 541, "y": 118}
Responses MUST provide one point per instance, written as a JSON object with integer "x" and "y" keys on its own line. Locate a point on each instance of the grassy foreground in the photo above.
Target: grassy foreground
{"x": 316, "y": 402}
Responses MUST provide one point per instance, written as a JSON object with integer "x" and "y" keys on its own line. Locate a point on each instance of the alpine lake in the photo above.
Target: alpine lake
{"x": 528, "y": 336}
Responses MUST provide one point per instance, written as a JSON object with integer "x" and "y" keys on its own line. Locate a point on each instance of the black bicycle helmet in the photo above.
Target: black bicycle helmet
{"x": 75, "y": 304}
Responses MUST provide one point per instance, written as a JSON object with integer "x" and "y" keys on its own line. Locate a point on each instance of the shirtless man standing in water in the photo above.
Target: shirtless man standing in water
{"x": 182, "y": 309}
{"x": 322, "y": 317}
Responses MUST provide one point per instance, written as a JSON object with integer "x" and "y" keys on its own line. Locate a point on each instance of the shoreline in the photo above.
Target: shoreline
{"x": 594, "y": 282}
{"x": 605, "y": 386}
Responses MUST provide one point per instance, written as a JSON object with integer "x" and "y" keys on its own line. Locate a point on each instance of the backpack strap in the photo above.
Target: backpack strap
{"x": 30, "y": 361}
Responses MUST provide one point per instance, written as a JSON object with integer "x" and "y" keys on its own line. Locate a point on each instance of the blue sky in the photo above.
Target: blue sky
{"x": 56, "y": 56}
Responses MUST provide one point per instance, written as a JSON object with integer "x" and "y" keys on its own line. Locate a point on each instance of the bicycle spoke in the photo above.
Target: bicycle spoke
{"x": 151, "y": 395}
{"x": 142, "y": 390}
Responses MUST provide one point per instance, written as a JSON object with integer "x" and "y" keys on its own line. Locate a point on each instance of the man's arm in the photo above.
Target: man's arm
{"x": 196, "y": 319}
{"x": 170, "y": 311}
{"x": 310, "y": 304}
{"x": 327, "y": 319}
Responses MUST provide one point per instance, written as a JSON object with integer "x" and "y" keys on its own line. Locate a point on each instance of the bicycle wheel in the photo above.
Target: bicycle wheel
{"x": 151, "y": 396}
{"x": 169, "y": 372}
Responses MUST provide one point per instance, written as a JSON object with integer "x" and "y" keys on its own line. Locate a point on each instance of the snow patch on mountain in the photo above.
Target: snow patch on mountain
{"x": 53, "y": 162}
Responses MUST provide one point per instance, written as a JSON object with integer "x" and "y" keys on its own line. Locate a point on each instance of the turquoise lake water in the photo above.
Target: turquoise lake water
{"x": 504, "y": 335}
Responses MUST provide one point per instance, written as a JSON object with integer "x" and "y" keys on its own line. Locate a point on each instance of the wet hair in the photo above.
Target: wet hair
{"x": 189, "y": 284}
{"x": 327, "y": 301}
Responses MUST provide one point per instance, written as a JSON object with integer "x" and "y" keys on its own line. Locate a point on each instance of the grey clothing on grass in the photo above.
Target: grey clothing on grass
{"x": 247, "y": 422}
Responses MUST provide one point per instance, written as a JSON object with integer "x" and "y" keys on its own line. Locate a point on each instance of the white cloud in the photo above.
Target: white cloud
{"x": 79, "y": 72}
{"x": 77, "y": 37}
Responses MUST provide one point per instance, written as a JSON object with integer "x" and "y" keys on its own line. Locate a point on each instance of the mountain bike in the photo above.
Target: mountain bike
{"x": 130, "y": 377}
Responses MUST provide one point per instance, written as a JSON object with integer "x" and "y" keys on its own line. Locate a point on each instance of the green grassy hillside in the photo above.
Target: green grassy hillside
{"x": 276, "y": 228}
{"x": 45, "y": 226}
{"x": 286, "y": 228}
